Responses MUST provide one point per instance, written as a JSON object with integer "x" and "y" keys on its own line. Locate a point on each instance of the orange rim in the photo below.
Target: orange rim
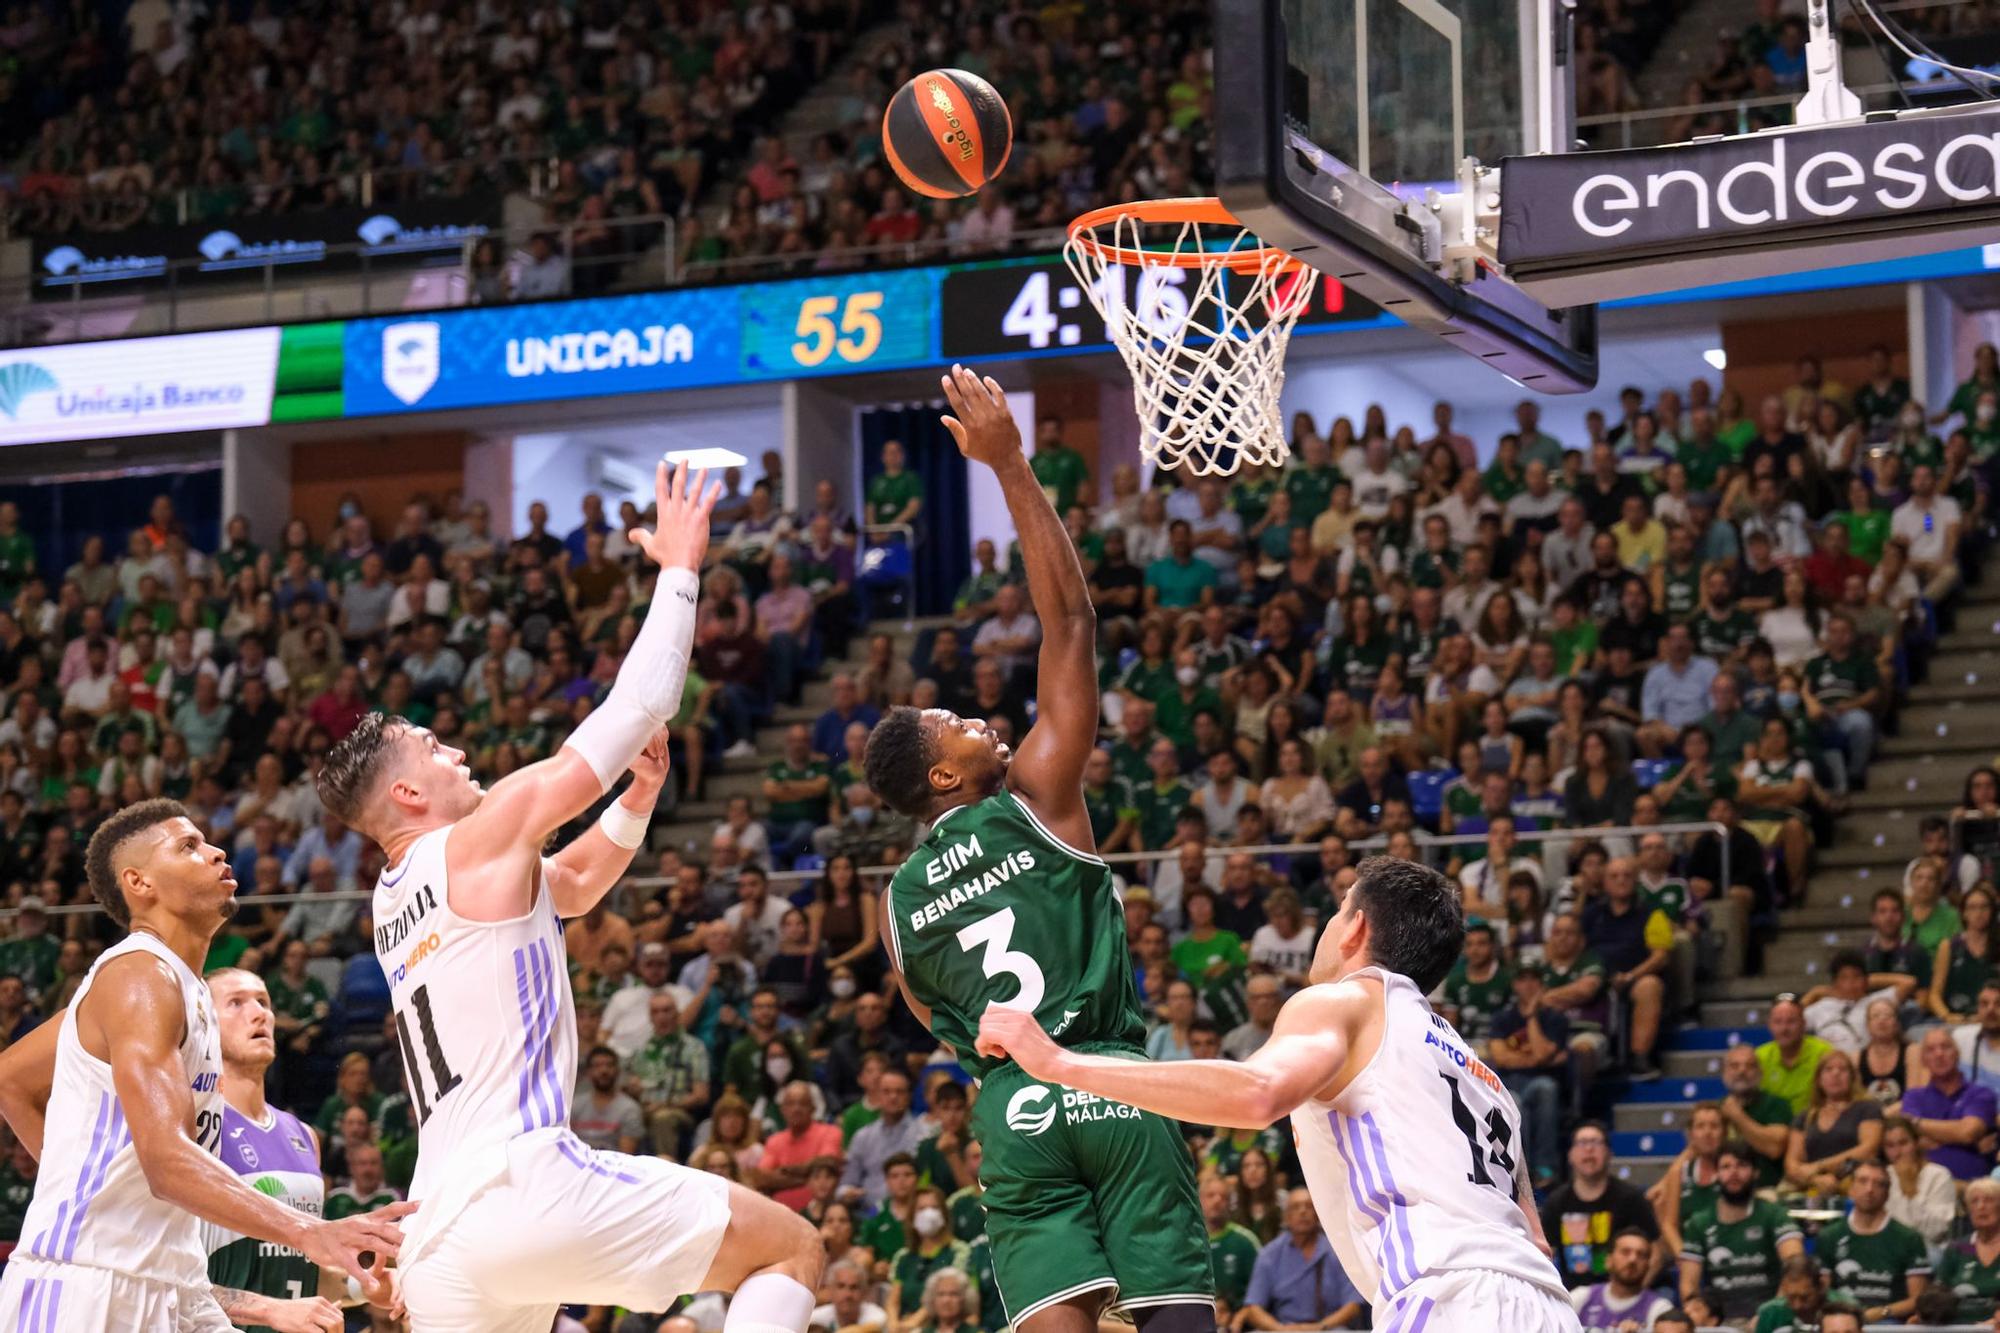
{"x": 1168, "y": 212}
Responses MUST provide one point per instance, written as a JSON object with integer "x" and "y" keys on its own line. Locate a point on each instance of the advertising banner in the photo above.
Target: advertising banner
{"x": 537, "y": 353}
{"x": 143, "y": 386}
{"x": 394, "y": 235}
{"x": 1762, "y": 193}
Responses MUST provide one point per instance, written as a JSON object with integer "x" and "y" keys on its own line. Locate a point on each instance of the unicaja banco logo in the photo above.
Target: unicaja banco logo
{"x": 62, "y": 260}
{"x": 380, "y": 229}
{"x": 21, "y": 381}
{"x": 220, "y": 245}
{"x": 410, "y": 359}
{"x": 1030, "y": 1112}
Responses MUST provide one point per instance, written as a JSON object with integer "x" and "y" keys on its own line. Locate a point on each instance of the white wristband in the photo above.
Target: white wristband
{"x": 625, "y": 827}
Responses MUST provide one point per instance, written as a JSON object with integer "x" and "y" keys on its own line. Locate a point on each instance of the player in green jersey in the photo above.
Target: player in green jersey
{"x": 1007, "y": 903}
{"x": 262, "y": 1287}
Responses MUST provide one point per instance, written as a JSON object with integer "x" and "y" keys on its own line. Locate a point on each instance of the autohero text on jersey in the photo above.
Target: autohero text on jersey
{"x": 955, "y": 858}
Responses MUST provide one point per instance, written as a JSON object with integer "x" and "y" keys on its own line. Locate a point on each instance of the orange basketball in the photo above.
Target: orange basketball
{"x": 947, "y": 133}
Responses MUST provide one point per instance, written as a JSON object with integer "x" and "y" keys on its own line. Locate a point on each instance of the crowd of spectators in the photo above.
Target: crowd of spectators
{"x": 1692, "y": 613}
{"x": 112, "y": 117}
{"x": 604, "y": 113}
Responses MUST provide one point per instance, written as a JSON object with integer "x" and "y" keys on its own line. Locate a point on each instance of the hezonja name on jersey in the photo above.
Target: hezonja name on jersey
{"x": 955, "y": 858}
{"x": 398, "y": 927}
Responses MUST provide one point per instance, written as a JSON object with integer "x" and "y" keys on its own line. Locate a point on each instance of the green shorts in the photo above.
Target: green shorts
{"x": 1082, "y": 1193}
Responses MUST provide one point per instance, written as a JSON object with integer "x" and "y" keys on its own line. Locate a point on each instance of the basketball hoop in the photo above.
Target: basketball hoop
{"x": 1203, "y": 335}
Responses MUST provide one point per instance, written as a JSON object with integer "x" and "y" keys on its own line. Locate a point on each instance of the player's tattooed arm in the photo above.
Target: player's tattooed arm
{"x": 311, "y": 1314}
{"x": 1524, "y": 1194}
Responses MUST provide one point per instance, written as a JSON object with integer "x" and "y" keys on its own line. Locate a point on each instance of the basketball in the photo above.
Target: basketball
{"x": 947, "y": 133}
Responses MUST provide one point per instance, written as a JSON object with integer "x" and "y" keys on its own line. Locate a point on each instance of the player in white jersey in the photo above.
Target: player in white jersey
{"x": 124, "y": 1109}
{"x": 516, "y": 1213}
{"x": 1411, "y": 1146}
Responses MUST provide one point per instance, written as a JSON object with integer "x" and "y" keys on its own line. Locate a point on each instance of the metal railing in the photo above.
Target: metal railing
{"x": 536, "y": 173}
{"x": 596, "y": 256}
{"x": 1646, "y": 127}
{"x": 648, "y": 883}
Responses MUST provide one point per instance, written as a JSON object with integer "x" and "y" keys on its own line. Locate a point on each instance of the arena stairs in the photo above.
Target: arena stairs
{"x": 1947, "y": 725}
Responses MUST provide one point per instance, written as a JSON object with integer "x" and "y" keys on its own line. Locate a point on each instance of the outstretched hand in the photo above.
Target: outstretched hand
{"x": 1013, "y": 1033}
{"x": 985, "y": 430}
{"x": 679, "y": 537}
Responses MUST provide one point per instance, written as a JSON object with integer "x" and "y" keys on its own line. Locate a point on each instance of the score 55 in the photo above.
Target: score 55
{"x": 850, "y": 327}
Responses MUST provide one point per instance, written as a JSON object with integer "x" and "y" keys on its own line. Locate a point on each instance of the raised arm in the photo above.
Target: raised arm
{"x": 1048, "y": 768}
{"x": 135, "y": 1015}
{"x": 27, "y": 1076}
{"x": 583, "y": 872}
{"x": 1308, "y": 1046}
{"x": 524, "y": 808}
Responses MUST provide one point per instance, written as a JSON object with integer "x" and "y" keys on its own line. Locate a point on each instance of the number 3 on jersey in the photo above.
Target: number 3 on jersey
{"x": 994, "y": 934}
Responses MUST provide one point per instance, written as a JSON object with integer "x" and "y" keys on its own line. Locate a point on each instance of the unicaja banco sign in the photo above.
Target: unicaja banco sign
{"x": 142, "y": 386}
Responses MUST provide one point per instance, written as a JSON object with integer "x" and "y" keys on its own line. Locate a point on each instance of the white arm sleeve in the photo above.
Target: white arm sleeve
{"x": 647, "y": 693}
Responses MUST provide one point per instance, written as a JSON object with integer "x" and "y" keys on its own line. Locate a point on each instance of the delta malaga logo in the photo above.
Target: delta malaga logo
{"x": 1024, "y": 1118}
{"x": 21, "y": 381}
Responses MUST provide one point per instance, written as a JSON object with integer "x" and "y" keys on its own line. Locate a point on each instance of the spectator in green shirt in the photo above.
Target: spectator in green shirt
{"x": 799, "y": 786}
{"x": 1232, "y": 1247}
{"x": 895, "y": 494}
{"x": 30, "y": 953}
{"x": 17, "y": 553}
{"x": 1791, "y": 1058}
{"x": 1207, "y": 953}
{"x": 1178, "y": 581}
{"x": 1064, "y": 476}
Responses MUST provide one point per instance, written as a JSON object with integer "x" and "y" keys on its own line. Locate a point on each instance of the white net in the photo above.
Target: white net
{"x": 1204, "y": 341}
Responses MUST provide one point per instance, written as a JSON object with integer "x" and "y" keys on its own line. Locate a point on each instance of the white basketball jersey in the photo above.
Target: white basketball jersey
{"x": 487, "y": 1027}
{"x": 1412, "y": 1166}
{"x": 92, "y": 1205}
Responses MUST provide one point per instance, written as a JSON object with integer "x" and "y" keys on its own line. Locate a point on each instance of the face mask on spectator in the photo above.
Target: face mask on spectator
{"x": 349, "y": 510}
{"x": 1788, "y": 700}
{"x": 1985, "y": 412}
{"x": 1912, "y": 420}
{"x": 842, "y": 987}
{"x": 779, "y": 1069}
{"x": 1187, "y": 675}
{"x": 928, "y": 1221}
{"x": 864, "y": 815}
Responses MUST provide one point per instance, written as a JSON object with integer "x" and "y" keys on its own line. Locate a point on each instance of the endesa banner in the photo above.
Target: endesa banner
{"x": 329, "y": 240}
{"x": 534, "y": 353}
{"x": 142, "y": 386}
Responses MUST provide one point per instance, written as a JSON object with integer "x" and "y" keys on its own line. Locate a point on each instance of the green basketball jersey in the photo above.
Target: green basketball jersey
{"x": 993, "y": 908}
{"x": 1739, "y": 1259}
{"x": 1875, "y": 1266}
{"x": 282, "y": 1161}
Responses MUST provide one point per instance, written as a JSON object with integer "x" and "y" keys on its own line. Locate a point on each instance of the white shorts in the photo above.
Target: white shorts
{"x": 38, "y": 1297}
{"x": 1476, "y": 1298}
{"x": 567, "y": 1225}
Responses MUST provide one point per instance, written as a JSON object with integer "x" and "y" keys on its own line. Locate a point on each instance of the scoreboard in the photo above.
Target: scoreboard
{"x": 836, "y": 324}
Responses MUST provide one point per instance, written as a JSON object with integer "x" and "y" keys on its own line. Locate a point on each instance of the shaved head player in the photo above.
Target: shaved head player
{"x": 468, "y": 926}
{"x": 1007, "y": 903}
{"x": 1405, "y": 1136}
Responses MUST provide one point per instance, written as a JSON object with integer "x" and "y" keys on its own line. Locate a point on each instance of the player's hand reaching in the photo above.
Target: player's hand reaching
{"x": 359, "y": 1246}
{"x": 1014, "y": 1033}
{"x": 985, "y": 430}
{"x": 649, "y": 770}
{"x": 679, "y": 537}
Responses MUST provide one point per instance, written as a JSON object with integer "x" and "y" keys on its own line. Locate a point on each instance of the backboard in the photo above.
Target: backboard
{"x": 1362, "y": 128}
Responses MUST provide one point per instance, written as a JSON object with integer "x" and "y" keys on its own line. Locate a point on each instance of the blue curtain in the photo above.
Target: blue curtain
{"x": 61, "y": 514}
{"x": 942, "y": 557}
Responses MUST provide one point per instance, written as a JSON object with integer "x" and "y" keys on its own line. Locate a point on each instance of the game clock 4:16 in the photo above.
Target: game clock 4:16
{"x": 1016, "y": 308}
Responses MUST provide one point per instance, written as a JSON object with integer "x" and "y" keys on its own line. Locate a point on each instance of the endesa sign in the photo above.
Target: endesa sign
{"x": 332, "y": 240}
{"x": 142, "y": 386}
